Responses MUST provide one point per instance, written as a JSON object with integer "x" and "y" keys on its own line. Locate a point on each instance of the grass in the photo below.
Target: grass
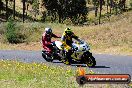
{"x": 14, "y": 74}
{"x": 113, "y": 37}
{"x": 22, "y": 46}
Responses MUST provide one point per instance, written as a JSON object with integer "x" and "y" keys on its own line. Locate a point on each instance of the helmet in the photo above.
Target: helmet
{"x": 48, "y": 30}
{"x": 68, "y": 31}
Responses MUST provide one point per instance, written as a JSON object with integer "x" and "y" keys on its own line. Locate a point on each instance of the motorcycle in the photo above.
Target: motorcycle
{"x": 80, "y": 53}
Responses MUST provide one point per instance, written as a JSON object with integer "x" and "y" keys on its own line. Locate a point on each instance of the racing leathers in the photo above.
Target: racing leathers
{"x": 46, "y": 41}
{"x": 67, "y": 42}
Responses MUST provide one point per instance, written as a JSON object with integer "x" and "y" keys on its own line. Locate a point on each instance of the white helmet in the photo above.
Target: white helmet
{"x": 48, "y": 30}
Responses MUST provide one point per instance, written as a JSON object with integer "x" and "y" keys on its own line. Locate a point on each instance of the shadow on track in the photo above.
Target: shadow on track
{"x": 100, "y": 67}
{"x": 83, "y": 65}
{"x": 80, "y": 65}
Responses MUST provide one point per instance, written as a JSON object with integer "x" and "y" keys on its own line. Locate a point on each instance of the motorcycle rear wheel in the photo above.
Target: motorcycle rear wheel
{"x": 47, "y": 57}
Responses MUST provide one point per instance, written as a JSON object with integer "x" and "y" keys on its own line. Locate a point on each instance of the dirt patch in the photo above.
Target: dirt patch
{"x": 35, "y": 46}
{"x": 22, "y": 46}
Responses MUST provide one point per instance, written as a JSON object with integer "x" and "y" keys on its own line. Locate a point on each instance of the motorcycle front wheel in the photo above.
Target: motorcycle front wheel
{"x": 91, "y": 61}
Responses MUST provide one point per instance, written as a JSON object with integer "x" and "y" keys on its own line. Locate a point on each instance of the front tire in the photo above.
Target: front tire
{"x": 91, "y": 61}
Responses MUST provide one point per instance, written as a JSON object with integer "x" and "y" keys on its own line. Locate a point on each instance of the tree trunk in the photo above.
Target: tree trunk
{"x": 40, "y": 7}
{"x": 96, "y": 11}
{"x": 124, "y": 4}
{"x": 107, "y": 6}
{"x": 111, "y": 5}
{"x": 1, "y": 6}
{"x": 100, "y": 10}
{"x": 116, "y": 8}
{"x": 14, "y": 10}
{"x": 6, "y": 10}
{"x": 23, "y": 11}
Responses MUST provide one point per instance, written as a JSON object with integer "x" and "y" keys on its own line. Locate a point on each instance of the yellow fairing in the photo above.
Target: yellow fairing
{"x": 66, "y": 46}
{"x": 67, "y": 37}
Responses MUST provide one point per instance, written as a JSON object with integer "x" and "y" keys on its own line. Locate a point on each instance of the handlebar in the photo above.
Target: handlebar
{"x": 79, "y": 42}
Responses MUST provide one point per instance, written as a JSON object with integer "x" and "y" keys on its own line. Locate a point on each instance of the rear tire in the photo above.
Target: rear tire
{"x": 47, "y": 57}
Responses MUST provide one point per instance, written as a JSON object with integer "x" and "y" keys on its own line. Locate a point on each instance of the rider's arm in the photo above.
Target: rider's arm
{"x": 53, "y": 35}
{"x": 63, "y": 40}
{"x": 75, "y": 37}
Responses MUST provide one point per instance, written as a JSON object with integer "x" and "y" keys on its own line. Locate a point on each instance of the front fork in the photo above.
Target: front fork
{"x": 87, "y": 53}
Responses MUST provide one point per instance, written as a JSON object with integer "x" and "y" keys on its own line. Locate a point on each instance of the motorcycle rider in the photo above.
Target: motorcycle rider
{"x": 67, "y": 41}
{"x": 46, "y": 40}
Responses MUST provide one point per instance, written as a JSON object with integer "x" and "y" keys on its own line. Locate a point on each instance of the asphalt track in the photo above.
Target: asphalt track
{"x": 112, "y": 64}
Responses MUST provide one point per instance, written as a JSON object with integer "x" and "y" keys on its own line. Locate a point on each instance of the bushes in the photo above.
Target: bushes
{"x": 17, "y": 32}
{"x": 131, "y": 3}
{"x": 13, "y": 34}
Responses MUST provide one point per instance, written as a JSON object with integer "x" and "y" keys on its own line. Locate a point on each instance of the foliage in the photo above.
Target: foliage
{"x": 75, "y": 10}
{"x": 35, "y": 6}
{"x": 12, "y": 33}
{"x": 1, "y": 5}
{"x": 64, "y": 11}
{"x": 131, "y": 3}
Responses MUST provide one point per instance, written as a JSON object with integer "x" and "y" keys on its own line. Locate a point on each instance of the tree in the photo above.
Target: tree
{"x": 76, "y": 10}
{"x": 14, "y": 9}
{"x": 52, "y": 7}
{"x": 35, "y": 7}
{"x": 100, "y": 3}
{"x": 131, "y": 3}
{"x": 24, "y": 8}
{"x": 111, "y": 5}
{"x": 122, "y": 4}
{"x": 1, "y": 6}
{"x": 6, "y": 10}
{"x": 107, "y": 6}
{"x": 96, "y": 5}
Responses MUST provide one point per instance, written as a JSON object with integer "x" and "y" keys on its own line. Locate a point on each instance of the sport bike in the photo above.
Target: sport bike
{"x": 80, "y": 53}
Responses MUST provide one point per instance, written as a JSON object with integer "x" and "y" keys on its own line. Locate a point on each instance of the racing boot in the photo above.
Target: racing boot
{"x": 67, "y": 62}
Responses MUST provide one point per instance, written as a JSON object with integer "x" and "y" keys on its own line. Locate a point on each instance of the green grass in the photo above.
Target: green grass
{"x": 14, "y": 74}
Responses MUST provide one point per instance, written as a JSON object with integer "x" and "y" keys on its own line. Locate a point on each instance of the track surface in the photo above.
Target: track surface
{"x": 105, "y": 63}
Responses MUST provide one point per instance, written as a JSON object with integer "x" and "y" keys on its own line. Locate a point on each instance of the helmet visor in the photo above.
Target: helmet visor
{"x": 68, "y": 32}
{"x": 49, "y": 31}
